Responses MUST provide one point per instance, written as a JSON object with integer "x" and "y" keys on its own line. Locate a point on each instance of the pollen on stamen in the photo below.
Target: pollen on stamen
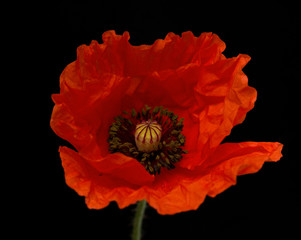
{"x": 152, "y": 136}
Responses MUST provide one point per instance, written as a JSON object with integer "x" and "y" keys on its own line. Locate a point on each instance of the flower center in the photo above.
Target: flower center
{"x": 148, "y": 136}
{"x": 152, "y": 136}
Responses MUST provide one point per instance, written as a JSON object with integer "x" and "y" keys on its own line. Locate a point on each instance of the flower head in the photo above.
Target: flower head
{"x": 147, "y": 121}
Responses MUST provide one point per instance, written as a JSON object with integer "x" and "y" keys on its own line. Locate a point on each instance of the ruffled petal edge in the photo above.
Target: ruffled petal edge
{"x": 189, "y": 188}
{"x": 216, "y": 175}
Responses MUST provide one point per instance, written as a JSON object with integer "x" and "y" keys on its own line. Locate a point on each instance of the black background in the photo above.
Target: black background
{"x": 261, "y": 205}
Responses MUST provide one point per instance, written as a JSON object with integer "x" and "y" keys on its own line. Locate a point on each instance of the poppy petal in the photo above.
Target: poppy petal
{"x": 126, "y": 168}
{"x": 232, "y": 159}
{"x": 174, "y": 191}
{"x": 98, "y": 189}
{"x": 169, "y": 53}
{"x": 224, "y": 98}
{"x": 217, "y": 174}
{"x": 67, "y": 127}
{"x": 228, "y": 98}
{"x": 77, "y": 171}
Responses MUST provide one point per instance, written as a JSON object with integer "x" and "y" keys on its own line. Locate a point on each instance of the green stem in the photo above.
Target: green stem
{"x": 138, "y": 218}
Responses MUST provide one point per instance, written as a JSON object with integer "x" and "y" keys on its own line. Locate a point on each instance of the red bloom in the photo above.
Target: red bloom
{"x": 187, "y": 75}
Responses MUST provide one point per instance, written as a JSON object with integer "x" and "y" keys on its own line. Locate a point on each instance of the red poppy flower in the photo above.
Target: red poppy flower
{"x": 147, "y": 121}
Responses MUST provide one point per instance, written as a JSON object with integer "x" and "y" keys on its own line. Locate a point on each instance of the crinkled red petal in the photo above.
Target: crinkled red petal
{"x": 174, "y": 191}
